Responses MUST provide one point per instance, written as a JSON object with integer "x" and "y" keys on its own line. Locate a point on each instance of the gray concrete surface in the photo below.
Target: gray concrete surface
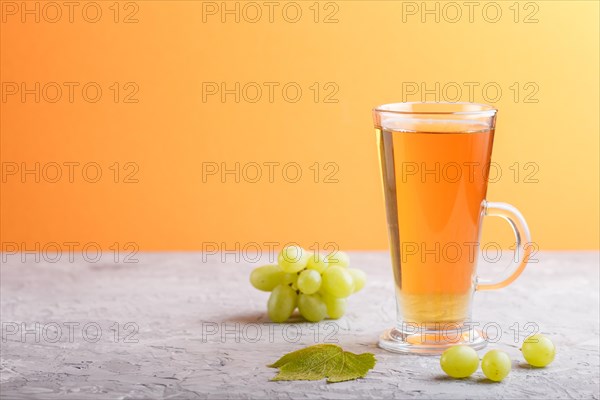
{"x": 176, "y": 326}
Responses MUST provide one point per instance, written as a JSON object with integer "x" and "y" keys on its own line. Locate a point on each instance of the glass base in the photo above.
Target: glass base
{"x": 429, "y": 341}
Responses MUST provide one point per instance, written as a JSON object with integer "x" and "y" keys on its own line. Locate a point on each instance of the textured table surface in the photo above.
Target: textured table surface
{"x": 175, "y": 325}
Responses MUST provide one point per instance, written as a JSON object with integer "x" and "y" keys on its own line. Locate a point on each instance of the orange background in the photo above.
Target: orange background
{"x": 369, "y": 55}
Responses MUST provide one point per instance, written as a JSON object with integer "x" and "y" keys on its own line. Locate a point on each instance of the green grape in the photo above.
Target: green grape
{"x": 317, "y": 262}
{"x": 337, "y": 282}
{"x": 338, "y": 258}
{"x": 496, "y": 365}
{"x": 265, "y": 278}
{"x": 309, "y": 281}
{"x": 459, "y": 361}
{"x": 538, "y": 350}
{"x": 289, "y": 279}
{"x": 292, "y": 258}
{"x": 358, "y": 277}
{"x": 336, "y": 308}
{"x": 312, "y": 307}
{"x": 282, "y": 303}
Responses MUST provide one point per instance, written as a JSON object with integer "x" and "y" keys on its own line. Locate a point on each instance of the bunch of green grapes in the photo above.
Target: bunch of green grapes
{"x": 317, "y": 284}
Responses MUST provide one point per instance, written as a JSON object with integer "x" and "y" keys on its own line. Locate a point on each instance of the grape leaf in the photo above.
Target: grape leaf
{"x": 323, "y": 361}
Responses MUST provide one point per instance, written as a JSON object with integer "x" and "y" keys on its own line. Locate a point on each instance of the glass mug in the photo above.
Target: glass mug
{"x": 435, "y": 160}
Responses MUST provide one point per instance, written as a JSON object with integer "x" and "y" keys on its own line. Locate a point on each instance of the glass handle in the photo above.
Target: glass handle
{"x": 523, "y": 247}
